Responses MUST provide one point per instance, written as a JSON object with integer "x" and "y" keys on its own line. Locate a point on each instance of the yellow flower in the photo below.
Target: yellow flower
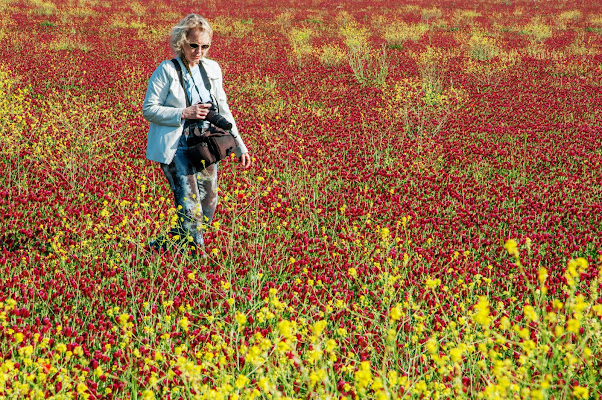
{"x": 432, "y": 283}
{"x": 314, "y": 355}
{"x": 396, "y": 313}
{"x": 26, "y": 351}
{"x": 482, "y": 315}
{"x": 523, "y": 333}
{"x": 318, "y": 327}
{"x": 528, "y": 346}
{"x": 456, "y": 353}
{"x": 511, "y": 247}
{"x": 241, "y": 381}
{"x": 81, "y": 388}
{"x": 391, "y": 335}
{"x": 352, "y": 272}
{"x": 420, "y": 387}
{"x": 241, "y": 318}
{"x": 542, "y": 275}
{"x": 184, "y": 323}
{"x": 571, "y": 269}
{"x": 124, "y": 318}
{"x": 378, "y": 384}
{"x": 505, "y": 323}
{"x": 209, "y": 356}
{"x": 18, "y": 337}
{"x": 580, "y": 303}
{"x": 573, "y": 326}
{"x": 263, "y": 383}
{"x": 587, "y": 353}
{"x": 317, "y": 376}
{"x": 581, "y": 392}
{"x": 431, "y": 346}
{"x": 363, "y": 377}
{"x": 530, "y": 313}
{"x": 384, "y": 233}
{"x": 393, "y": 377}
{"x": 558, "y": 330}
{"x": 381, "y": 395}
{"x": 285, "y": 328}
{"x": 253, "y": 355}
{"x": 582, "y": 264}
{"x": 283, "y": 346}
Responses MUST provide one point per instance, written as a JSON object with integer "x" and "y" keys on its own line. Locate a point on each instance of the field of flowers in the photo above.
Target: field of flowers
{"x": 423, "y": 218}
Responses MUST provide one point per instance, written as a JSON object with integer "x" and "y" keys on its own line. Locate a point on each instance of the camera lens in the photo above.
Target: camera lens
{"x": 218, "y": 120}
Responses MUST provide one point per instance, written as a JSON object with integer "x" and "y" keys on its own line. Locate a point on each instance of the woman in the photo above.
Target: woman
{"x": 195, "y": 190}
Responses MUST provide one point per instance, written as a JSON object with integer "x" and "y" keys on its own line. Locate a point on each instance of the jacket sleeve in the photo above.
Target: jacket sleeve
{"x": 153, "y": 108}
{"x": 224, "y": 110}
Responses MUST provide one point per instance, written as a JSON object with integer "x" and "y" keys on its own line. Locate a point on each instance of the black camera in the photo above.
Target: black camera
{"x": 217, "y": 119}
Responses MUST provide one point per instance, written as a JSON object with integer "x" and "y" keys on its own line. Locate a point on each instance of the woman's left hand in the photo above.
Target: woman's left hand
{"x": 245, "y": 160}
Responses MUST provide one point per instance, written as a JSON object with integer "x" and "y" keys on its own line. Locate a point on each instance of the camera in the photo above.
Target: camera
{"x": 217, "y": 119}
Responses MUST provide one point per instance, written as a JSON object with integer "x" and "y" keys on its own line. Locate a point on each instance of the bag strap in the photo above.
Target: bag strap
{"x": 205, "y": 78}
{"x": 181, "y": 78}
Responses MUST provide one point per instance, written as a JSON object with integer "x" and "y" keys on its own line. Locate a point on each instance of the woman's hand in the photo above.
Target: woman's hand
{"x": 196, "y": 111}
{"x": 245, "y": 160}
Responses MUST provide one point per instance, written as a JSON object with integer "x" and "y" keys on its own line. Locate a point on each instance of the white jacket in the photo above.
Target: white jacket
{"x": 163, "y": 105}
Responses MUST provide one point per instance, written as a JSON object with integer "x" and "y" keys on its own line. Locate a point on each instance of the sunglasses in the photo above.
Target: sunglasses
{"x": 196, "y": 46}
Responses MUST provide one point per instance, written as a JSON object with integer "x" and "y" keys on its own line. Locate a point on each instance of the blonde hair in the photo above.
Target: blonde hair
{"x": 180, "y": 32}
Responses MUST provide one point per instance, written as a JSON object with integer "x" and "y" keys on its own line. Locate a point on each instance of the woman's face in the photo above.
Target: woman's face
{"x": 197, "y": 46}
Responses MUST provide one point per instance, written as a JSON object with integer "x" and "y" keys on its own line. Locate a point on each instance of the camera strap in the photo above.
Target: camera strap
{"x": 179, "y": 70}
{"x": 206, "y": 80}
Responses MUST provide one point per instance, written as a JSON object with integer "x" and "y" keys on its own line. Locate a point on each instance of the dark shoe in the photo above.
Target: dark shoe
{"x": 158, "y": 245}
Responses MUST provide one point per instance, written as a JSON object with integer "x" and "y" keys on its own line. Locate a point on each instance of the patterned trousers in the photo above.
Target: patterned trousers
{"x": 195, "y": 194}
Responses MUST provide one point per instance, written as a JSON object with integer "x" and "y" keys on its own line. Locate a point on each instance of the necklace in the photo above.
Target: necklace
{"x": 191, "y": 77}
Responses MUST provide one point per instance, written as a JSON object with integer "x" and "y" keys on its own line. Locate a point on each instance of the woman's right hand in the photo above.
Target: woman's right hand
{"x": 196, "y": 111}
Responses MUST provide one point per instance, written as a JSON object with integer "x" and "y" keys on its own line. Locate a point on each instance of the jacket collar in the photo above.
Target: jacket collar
{"x": 210, "y": 71}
